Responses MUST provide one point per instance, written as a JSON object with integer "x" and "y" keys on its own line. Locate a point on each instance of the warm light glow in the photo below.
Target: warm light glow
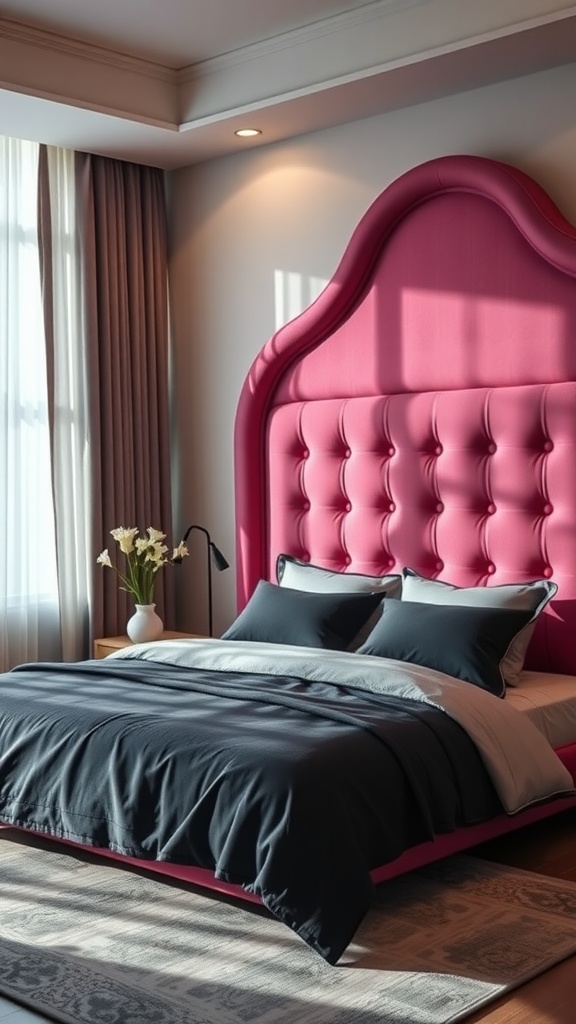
{"x": 247, "y": 133}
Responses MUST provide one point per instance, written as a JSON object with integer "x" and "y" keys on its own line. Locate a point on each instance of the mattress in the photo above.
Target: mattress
{"x": 549, "y": 701}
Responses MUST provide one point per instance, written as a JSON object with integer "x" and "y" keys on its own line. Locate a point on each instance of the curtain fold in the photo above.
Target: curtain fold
{"x": 67, "y": 393}
{"x": 122, "y": 218}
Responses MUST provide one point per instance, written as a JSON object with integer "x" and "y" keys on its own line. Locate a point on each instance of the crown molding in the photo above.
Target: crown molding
{"x": 42, "y": 39}
{"x": 257, "y": 78}
{"x": 337, "y": 24}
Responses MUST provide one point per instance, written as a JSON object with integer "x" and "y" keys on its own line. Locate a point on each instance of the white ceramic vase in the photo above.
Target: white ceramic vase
{"x": 145, "y": 624}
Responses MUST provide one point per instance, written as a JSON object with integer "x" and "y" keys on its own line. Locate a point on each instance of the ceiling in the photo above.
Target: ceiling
{"x": 167, "y": 82}
{"x": 175, "y": 33}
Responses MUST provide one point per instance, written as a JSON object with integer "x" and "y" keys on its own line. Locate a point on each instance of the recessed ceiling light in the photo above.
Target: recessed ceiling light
{"x": 247, "y": 133}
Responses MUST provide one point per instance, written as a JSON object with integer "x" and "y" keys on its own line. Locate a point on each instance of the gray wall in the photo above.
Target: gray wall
{"x": 255, "y": 236}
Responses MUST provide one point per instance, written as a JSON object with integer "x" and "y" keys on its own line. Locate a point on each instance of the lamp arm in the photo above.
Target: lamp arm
{"x": 196, "y": 527}
{"x": 212, "y": 552}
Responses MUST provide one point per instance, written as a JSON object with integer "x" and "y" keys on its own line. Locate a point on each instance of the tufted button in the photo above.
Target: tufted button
{"x": 547, "y": 510}
{"x": 391, "y": 507}
{"x": 490, "y": 509}
{"x": 347, "y": 506}
{"x": 547, "y": 572}
{"x": 438, "y": 449}
{"x": 391, "y": 451}
{"x": 439, "y": 566}
{"x": 305, "y": 506}
{"x": 305, "y": 453}
{"x": 490, "y": 568}
{"x": 347, "y": 453}
{"x": 347, "y": 560}
{"x": 439, "y": 507}
{"x": 548, "y": 446}
{"x": 491, "y": 448}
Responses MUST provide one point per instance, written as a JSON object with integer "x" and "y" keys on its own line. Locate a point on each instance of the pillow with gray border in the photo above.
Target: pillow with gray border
{"x": 299, "y": 575}
{"x": 532, "y": 596}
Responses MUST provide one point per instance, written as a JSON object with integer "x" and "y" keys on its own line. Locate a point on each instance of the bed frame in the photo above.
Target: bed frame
{"x": 422, "y": 412}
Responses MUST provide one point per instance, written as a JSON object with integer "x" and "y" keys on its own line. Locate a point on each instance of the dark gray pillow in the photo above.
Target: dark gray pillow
{"x": 281, "y": 615}
{"x": 532, "y": 596}
{"x": 298, "y": 575}
{"x": 466, "y": 642}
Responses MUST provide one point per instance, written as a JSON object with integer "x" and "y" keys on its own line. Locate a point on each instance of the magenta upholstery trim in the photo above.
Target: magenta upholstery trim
{"x": 422, "y": 411}
{"x": 415, "y": 857}
{"x": 465, "y": 838}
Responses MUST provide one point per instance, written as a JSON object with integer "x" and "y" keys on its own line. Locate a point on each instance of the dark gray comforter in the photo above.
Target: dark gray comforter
{"x": 293, "y": 789}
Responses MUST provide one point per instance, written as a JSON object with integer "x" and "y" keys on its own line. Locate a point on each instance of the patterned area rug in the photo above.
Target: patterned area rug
{"x": 90, "y": 943}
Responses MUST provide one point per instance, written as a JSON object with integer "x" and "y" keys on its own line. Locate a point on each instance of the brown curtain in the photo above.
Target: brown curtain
{"x": 122, "y": 218}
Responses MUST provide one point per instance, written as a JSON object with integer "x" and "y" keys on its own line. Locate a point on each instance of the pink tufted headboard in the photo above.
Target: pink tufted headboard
{"x": 422, "y": 411}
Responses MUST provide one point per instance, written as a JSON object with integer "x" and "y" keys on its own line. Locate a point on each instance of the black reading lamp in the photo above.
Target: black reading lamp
{"x": 213, "y": 554}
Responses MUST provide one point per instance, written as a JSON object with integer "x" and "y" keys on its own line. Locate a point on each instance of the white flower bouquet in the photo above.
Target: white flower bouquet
{"x": 145, "y": 556}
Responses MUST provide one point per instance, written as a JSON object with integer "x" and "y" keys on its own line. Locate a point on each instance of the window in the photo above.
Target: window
{"x": 43, "y": 489}
{"x": 27, "y": 548}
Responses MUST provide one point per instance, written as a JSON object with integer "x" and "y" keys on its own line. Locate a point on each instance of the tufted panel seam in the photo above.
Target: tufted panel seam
{"x": 300, "y": 519}
{"x": 486, "y": 465}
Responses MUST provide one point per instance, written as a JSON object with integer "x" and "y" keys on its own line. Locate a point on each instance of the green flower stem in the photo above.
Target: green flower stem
{"x": 139, "y": 582}
{"x": 144, "y": 557}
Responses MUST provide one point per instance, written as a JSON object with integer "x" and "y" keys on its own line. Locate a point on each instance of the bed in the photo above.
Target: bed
{"x": 400, "y": 682}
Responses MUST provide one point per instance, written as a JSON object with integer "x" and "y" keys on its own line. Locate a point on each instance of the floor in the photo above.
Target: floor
{"x": 548, "y": 848}
{"x": 11, "y": 1013}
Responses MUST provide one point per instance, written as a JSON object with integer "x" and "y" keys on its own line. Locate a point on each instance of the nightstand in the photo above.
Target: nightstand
{"x": 105, "y": 645}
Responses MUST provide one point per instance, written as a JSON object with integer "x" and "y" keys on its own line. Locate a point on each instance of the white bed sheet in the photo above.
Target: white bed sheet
{"x": 549, "y": 701}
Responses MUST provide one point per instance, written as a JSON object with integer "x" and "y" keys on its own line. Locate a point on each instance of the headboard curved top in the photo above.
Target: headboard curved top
{"x": 422, "y": 411}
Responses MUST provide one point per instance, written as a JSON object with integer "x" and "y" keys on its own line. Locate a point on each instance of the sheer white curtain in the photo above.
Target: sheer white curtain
{"x": 70, "y": 447}
{"x": 34, "y": 616}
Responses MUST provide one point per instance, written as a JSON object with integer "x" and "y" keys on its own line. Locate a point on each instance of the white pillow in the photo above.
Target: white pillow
{"x": 533, "y": 596}
{"x": 298, "y": 575}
